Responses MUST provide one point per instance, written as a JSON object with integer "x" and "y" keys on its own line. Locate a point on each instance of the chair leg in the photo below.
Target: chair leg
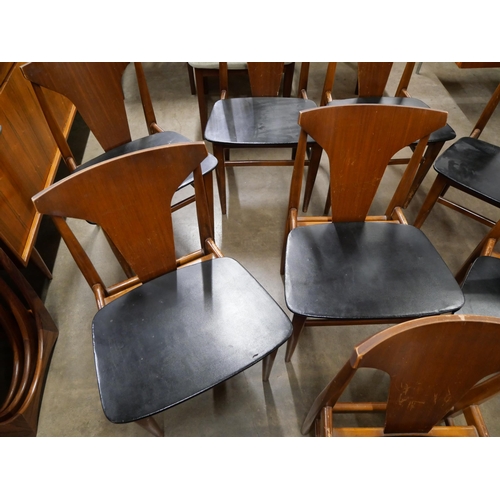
{"x": 202, "y": 102}
{"x": 324, "y": 424}
{"x": 190, "y": 71}
{"x": 298, "y": 323}
{"x": 430, "y": 156}
{"x": 312, "y": 172}
{"x": 283, "y": 248}
{"x": 209, "y": 191}
{"x": 129, "y": 272}
{"x": 438, "y": 188}
{"x": 328, "y": 203}
{"x": 267, "y": 365}
{"x": 221, "y": 175}
{"x": 474, "y": 417}
{"x": 150, "y": 424}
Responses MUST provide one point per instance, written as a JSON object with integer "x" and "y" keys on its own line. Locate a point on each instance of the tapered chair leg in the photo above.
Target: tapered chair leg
{"x": 221, "y": 176}
{"x": 209, "y": 191}
{"x": 192, "y": 86}
{"x": 202, "y": 103}
{"x": 267, "y": 365}
{"x": 431, "y": 154}
{"x": 298, "y": 323}
{"x": 438, "y": 188}
{"x": 151, "y": 426}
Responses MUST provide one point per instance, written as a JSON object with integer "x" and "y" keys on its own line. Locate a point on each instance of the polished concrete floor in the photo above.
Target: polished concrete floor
{"x": 251, "y": 232}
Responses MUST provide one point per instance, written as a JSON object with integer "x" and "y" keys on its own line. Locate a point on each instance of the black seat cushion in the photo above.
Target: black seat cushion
{"x": 270, "y": 121}
{"x": 151, "y": 141}
{"x": 181, "y": 334}
{"x": 366, "y": 270}
{"x": 474, "y": 165}
{"x": 444, "y": 134}
{"x": 482, "y": 288}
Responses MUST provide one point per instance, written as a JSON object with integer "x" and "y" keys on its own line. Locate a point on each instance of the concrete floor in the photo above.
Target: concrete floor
{"x": 251, "y": 232}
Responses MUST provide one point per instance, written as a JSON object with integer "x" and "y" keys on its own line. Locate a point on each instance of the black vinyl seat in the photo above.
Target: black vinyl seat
{"x": 474, "y": 165}
{"x": 251, "y": 121}
{"x": 366, "y": 271}
{"x": 180, "y": 335}
{"x": 469, "y": 165}
{"x": 482, "y": 288}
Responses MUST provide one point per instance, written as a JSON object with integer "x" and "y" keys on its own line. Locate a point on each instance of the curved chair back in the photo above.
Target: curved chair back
{"x": 436, "y": 367}
{"x": 104, "y": 194}
{"x": 95, "y": 89}
{"x": 358, "y": 159}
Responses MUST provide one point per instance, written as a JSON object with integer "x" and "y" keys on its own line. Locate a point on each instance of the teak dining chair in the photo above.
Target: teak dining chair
{"x": 436, "y": 368}
{"x": 471, "y": 166}
{"x": 372, "y": 80}
{"x": 480, "y": 277}
{"x": 96, "y": 91}
{"x": 352, "y": 268}
{"x": 199, "y": 71}
{"x": 261, "y": 121}
{"x": 173, "y": 330}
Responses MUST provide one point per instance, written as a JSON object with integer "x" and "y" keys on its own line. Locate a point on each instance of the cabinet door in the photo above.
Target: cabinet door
{"x": 28, "y": 158}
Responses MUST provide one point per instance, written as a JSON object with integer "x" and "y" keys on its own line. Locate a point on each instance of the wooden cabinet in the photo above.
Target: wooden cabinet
{"x": 28, "y": 157}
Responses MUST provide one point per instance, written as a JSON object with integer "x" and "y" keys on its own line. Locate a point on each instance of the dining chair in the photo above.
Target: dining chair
{"x": 30, "y": 335}
{"x": 199, "y": 71}
{"x": 372, "y": 81}
{"x": 470, "y": 165}
{"x": 261, "y": 121}
{"x": 351, "y": 267}
{"x": 96, "y": 91}
{"x": 440, "y": 368}
{"x": 181, "y": 325}
{"x": 479, "y": 277}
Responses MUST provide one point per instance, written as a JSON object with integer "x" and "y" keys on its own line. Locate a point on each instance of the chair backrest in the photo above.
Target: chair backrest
{"x": 96, "y": 91}
{"x": 372, "y": 80}
{"x": 359, "y": 140}
{"x": 130, "y": 198}
{"x": 436, "y": 367}
{"x": 265, "y": 78}
{"x": 486, "y": 114}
